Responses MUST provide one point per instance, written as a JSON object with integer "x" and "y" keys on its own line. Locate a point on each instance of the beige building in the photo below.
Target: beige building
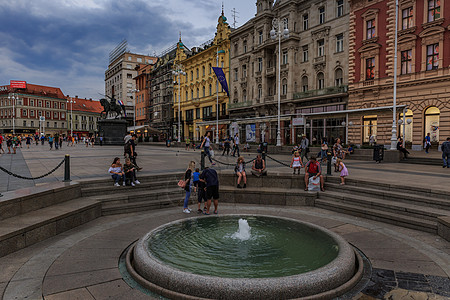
{"x": 314, "y": 70}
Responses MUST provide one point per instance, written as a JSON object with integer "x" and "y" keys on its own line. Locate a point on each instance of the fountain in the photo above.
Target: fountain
{"x": 274, "y": 258}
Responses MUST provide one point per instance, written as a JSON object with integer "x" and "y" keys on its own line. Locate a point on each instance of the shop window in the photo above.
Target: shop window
{"x": 370, "y": 128}
{"x": 432, "y": 115}
{"x": 408, "y": 126}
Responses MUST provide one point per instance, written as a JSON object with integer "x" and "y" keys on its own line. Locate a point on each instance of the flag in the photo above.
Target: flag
{"x": 222, "y": 79}
{"x": 120, "y": 102}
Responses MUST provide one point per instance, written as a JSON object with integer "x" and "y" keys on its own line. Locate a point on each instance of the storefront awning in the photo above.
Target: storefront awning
{"x": 142, "y": 128}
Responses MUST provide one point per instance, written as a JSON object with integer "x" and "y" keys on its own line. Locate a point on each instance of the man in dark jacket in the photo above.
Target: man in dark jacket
{"x": 212, "y": 188}
{"x": 445, "y": 147}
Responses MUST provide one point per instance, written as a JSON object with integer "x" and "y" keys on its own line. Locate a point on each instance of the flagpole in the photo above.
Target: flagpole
{"x": 217, "y": 99}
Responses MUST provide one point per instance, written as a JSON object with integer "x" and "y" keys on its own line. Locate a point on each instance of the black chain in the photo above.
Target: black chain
{"x": 280, "y": 162}
{"x": 228, "y": 164}
{"x": 32, "y": 178}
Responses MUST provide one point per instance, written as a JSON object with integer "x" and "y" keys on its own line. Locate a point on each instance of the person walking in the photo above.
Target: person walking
{"x": 445, "y": 147}
{"x": 206, "y": 145}
{"x": 212, "y": 189}
{"x": 9, "y": 144}
{"x": 50, "y": 142}
{"x": 101, "y": 141}
{"x": 188, "y": 143}
{"x": 15, "y": 143}
{"x": 427, "y": 144}
{"x": 188, "y": 186}
{"x": 28, "y": 142}
{"x": 236, "y": 145}
{"x": 304, "y": 145}
{"x": 1, "y": 144}
{"x": 226, "y": 145}
{"x": 130, "y": 150}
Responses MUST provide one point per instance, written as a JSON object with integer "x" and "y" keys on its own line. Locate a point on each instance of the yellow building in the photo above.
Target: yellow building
{"x": 198, "y": 85}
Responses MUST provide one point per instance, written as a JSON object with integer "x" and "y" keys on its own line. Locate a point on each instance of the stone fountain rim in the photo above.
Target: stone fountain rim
{"x": 326, "y": 278}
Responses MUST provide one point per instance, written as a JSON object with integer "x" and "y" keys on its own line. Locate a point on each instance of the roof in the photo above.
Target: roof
{"x": 86, "y": 105}
{"x": 41, "y": 90}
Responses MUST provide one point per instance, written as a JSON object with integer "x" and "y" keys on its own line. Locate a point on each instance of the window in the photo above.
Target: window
{"x": 244, "y": 71}
{"x": 31, "y": 102}
{"x": 434, "y": 10}
{"x": 407, "y": 18}
{"x": 304, "y": 83}
{"x": 245, "y": 46}
{"x": 235, "y": 72}
{"x": 284, "y": 58}
{"x": 129, "y": 76}
{"x": 55, "y": 125}
{"x": 305, "y": 22}
{"x": 25, "y": 112}
{"x": 340, "y": 43}
{"x": 340, "y": 8}
{"x": 285, "y": 23}
{"x": 47, "y": 114}
{"x": 222, "y": 64}
{"x": 63, "y": 115}
{"x": 320, "y": 81}
{"x": 370, "y": 29}
{"x": 192, "y": 94}
{"x": 259, "y": 91}
{"x": 338, "y": 81}
{"x": 192, "y": 75}
{"x": 198, "y": 93}
{"x": 207, "y": 111}
{"x": 432, "y": 57}
{"x": 129, "y": 66}
{"x": 210, "y": 68}
{"x": 139, "y": 59}
{"x": 203, "y": 71}
{"x": 47, "y": 104}
{"x": 40, "y": 103}
{"x": 224, "y": 109}
{"x": 320, "y": 48}
{"x": 31, "y": 113}
{"x": 284, "y": 87}
{"x": 305, "y": 53}
{"x": 260, "y": 64}
{"x": 197, "y": 72}
{"x": 210, "y": 89}
{"x": 32, "y": 124}
{"x": 321, "y": 15}
{"x": 129, "y": 58}
{"x": 406, "y": 61}
{"x": 260, "y": 37}
{"x": 24, "y": 123}
{"x": 244, "y": 95}
{"x": 203, "y": 91}
{"x": 370, "y": 68}
{"x": 197, "y": 113}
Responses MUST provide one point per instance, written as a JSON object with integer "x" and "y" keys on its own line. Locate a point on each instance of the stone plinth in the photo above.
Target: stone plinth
{"x": 113, "y": 131}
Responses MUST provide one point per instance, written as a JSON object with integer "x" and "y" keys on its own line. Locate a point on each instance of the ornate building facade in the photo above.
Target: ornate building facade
{"x": 202, "y": 99}
{"x": 314, "y": 70}
{"x": 423, "y": 68}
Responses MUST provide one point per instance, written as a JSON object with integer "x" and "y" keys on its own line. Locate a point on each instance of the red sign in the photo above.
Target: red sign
{"x": 15, "y": 84}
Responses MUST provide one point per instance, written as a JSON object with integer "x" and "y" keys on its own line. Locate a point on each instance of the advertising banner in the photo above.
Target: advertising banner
{"x": 15, "y": 84}
{"x": 250, "y": 132}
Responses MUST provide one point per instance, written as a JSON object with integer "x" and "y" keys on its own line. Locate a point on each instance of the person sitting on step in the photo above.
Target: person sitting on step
{"x": 313, "y": 169}
{"x": 240, "y": 172}
{"x": 116, "y": 172}
{"x": 130, "y": 173}
{"x": 259, "y": 167}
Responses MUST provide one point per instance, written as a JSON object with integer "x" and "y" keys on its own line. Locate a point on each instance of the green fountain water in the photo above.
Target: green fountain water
{"x": 218, "y": 246}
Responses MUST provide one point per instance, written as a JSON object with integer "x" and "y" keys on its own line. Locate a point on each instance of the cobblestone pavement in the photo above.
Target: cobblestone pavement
{"x": 83, "y": 263}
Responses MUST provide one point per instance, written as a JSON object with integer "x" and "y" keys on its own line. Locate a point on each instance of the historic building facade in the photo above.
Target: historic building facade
{"x": 142, "y": 95}
{"x": 314, "y": 70}
{"x": 83, "y": 115}
{"x": 202, "y": 98}
{"x": 423, "y": 80}
{"x": 34, "y": 109}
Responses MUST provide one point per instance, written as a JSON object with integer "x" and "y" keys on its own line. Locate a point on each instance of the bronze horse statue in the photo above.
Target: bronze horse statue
{"x": 111, "y": 107}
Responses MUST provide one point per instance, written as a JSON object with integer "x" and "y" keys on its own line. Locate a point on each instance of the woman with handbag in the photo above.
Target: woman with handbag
{"x": 188, "y": 186}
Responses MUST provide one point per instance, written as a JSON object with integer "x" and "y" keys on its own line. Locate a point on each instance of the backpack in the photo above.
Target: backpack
{"x": 445, "y": 147}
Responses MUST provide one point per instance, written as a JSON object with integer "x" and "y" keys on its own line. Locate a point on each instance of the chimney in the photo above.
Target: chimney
{"x": 76, "y": 97}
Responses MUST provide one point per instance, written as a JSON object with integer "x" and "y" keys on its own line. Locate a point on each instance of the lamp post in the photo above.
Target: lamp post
{"x": 134, "y": 114}
{"x": 217, "y": 96}
{"x": 279, "y": 30}
{"x": 394, "y": 110}
{"x": 71, "y": 101}
{"x": 178, "y": 72}
{"x": 13, "y": 97}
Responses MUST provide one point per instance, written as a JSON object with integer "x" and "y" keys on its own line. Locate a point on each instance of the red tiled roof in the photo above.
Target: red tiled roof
{"x": 46, "y": 91}
{"x": 87, "y": 105}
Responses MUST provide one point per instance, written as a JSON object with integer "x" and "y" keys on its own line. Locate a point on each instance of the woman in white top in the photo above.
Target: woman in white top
{"x": 116, "y": 171}
{"x": 206, "y": 144}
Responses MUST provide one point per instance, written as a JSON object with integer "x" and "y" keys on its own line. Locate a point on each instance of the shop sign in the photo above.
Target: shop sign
{"x": 297, "y": 122}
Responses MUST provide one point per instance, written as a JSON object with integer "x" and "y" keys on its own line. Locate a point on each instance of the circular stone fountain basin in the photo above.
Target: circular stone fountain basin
{"x": 204, "y": 258}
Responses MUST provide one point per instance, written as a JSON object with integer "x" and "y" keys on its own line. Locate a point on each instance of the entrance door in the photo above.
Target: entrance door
{"x": 432, "y": 115}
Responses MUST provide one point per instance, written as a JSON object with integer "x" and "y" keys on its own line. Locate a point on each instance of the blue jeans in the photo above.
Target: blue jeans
{"x": 446, "y": 159}
{"x": 117, "y": 178}
{"x": 186, "y": 199}
{"x": 236, "y": 148}
{"x": 323, "y": 154}
{"x": 208, "y": 153}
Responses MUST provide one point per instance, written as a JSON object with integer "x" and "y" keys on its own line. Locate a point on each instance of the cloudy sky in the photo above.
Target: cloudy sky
{"x": 65, "y": 43}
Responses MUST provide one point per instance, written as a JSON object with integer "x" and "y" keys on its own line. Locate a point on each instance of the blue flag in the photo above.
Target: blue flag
{"x": 222, "y": 79}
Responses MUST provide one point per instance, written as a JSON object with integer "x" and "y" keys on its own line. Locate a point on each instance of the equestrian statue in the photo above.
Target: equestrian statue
{"x": 112, "y": 107}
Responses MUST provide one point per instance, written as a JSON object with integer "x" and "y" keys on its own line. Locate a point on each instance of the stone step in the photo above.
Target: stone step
{"x": 122, "y": 208}
{"x": 111, "y": 189}
{"x": 406, "y": 209}
{"x": 423, "y": 161}
{"x": 27, "y": 229}
{"x": 107, "y": 181}
{"x": 378, "y": 215}
{"x": 392, "y": 196}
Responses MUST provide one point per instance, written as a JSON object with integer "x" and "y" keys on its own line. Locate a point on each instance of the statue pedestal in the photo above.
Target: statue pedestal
{"x": 113, "y": 131}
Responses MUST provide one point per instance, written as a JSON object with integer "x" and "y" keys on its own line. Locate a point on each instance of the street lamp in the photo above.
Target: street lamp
{"x": 394, "y": 110}
{"x": 217, "y": 96}
{"x": 278, "y": 32}
{"x": 134, "y": 114}
{"x": 71, "y": 101}
{"x": 13, "y": 97}
{"x": 178, "y": 72}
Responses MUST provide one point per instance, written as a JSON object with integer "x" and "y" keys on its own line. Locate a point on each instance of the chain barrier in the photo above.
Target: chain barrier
{"x": 233, "y": 164}
{"x": 32, "y": 178}
{"x": 280, "y": 162}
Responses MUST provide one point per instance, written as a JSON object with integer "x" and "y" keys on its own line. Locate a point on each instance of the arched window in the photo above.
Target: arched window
{"x": 259, "y": 91}
{"x": 203, "y": 71}
{"x": 284, "y": 87}
{"x": 320, "y": 81}
{"x": 198, "y": 93}
{"x": 192, "y": 94}
{"x": 408, "y": 128}
{"x": 235, "y": 98}
{"x": 244, "y": 95}
{"x": 203, "y": 94}
{"x": 210, "y": 89}
{"x": 197, "y": 73}
{"x": 192, "y": 75}
{"x": 304, "y": 83}
{"x": 210, "y": 68}
{"x": 187, "y": 95}
{"x": 338, "y": 81}
{"x": 432, "y": 115}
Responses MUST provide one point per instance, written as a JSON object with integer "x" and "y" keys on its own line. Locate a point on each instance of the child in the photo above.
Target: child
{"x": 296, "y": 163}
{"x": 196, "y": 178}
{"x": 341, "y": 167}
{"x": 130, "y": 172}
{"x": 240, "y": 172}
{"x": 116, "y": 172}
{"x": 201, "y": 195}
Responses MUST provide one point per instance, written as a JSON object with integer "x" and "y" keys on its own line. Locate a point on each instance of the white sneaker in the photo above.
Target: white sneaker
{"x": 186, "y": 211}
{"x": 123, "y": 183}
{"x": 137, "y": 182}
{"x": 116, "y": 184}
{"x": 132, "y": 184}
{"x": 189, "y": 209}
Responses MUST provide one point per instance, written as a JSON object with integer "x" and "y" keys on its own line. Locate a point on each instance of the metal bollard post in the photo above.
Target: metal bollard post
{"x": 329, "y": 164}
{"x": 263, "y": 156}
{"x": 202, "y": 160}
{"x": 67, "y": 168}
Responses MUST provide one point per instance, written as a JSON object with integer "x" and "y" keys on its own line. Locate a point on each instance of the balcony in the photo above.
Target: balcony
{"x": 240, "y": 104}
{"x": 320, "y": 60}
{"x": 270, "y": 71}
{"x": 210, "y": 117}
{"x": 323, "y": 92}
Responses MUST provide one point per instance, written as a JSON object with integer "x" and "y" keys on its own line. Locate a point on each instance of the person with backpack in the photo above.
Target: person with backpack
{"x": 445, "y": 148}
{"x": 313, "y": 169}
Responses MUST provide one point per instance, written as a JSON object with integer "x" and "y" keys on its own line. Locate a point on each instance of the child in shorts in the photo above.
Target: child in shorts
{"x": 196, "y": 177}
